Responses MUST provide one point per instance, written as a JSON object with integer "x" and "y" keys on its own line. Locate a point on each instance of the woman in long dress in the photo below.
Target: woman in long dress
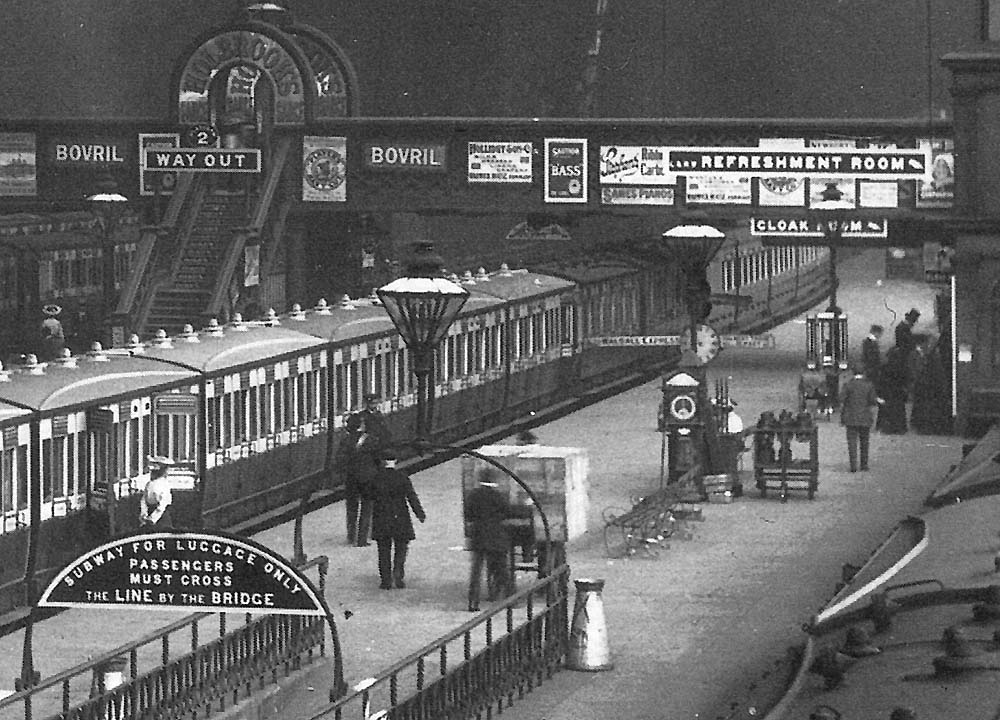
{"x": 892, "y": 385}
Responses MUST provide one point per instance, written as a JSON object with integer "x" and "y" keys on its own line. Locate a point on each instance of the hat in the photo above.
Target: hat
{"x": 368, "y": 397}
{"x": 51, "y": 309}
{"x": 913, "y": 313}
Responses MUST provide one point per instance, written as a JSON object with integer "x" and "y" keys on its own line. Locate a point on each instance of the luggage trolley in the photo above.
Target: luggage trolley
{"x": 826, "y": 359}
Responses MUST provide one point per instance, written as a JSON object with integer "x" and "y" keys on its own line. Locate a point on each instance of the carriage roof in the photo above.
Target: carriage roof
{"x": 232, "y": 348}
{"x": 56, "y": 385}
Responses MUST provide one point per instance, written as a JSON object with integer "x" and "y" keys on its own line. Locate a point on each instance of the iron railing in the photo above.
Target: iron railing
{"x": 485, "y": 664}
{"x": 183, "y": 678}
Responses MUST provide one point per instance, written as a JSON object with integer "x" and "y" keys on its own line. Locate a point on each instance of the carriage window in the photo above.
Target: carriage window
{"x": 301, "y": 400}
{"x": 253, "y": 405}
{"x": 77, "y": 459}
{"x": 214, "y": 424}
{"x": 47, "y": 469}
{"x": 403, "y": 371}
{"x": 379, "y": 374}
{"x": 354, "y": 386}
{"x": 454, "y": 364}
{"x": 324, "y": 389}
{"x": 289, "y": 406}
{"x": 440, "y": 356}
{"x": 135, "y": 448}
{"x": 7, "y": 481}
{"x": 340, "y": 389}
{"x": 367, "y": 379}
{"x": 22, "y": 477}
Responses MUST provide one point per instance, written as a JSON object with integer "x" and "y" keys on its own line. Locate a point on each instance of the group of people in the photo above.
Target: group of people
{"x": 379, "y": 498}
{"x": 914, "y": 371}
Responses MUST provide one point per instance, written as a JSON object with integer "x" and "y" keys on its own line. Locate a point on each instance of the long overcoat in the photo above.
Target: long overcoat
{"x": 859, "y": 401}
{"x": 392, "y": 493}
{"x": 486, "y": 508}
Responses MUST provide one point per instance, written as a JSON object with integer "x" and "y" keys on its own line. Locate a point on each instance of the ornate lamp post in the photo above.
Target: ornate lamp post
{"x": 108, "y": 206}
{"x": 423, "y": 304}
{"x": 693, "y": 245}
{"x": 831, "y": 213}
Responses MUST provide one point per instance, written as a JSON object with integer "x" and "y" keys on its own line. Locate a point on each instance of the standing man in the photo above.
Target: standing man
{"x": 871, "y": 354}
{"x": 859, "y": 401}
{"x": 392, "y": 527}
{"x": 486, "y": 509}
{"x": 365, "y": 435}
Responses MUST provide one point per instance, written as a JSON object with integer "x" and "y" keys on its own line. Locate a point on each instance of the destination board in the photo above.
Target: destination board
{"x": 243, "y": 160}
{"x": 187, "y": 572}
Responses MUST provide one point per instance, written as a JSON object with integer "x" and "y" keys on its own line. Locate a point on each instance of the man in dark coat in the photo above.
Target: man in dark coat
{"x": 858, "y": 402}
{"x": 486, "y": 509}
{"x": 871, "y": 354}
{"x": 365, "y": 435}
{"x": 392, "y": 528}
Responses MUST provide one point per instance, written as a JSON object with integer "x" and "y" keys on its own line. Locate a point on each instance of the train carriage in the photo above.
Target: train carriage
{"x": 252, "y": 411}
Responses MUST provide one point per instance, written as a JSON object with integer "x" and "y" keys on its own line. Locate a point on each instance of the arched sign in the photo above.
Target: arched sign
{"x": 246, "y": 48}
{"x": 189, "y": 572}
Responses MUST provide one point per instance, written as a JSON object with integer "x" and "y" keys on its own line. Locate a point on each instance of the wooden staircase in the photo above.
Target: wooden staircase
{"x": 196, "y": 267}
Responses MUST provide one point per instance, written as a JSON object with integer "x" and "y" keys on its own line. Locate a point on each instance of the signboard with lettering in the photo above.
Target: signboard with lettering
{"x": 500, "y": 162}
{"x": 635, "y": 165}
{"x": 243, "y": 160}
{"x": 808, "y": 227}
{"x": 77, "y": 151}
{"x": 718, "y": 190}
{"x": 565, "y": 170}
{"x": 626, "y": 195}
{"x": 874, "y": 164}
{"x": 405, "y": 156}
{"x": 187, "y": 572}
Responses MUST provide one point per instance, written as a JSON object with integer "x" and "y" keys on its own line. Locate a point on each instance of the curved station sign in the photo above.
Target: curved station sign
{"x": 189, "y": 572}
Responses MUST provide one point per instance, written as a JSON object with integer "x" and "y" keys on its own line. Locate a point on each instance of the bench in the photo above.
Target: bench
{"x": 652, "y": 520}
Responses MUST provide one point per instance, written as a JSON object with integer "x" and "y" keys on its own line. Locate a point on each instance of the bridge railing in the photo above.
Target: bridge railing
{"x": 481, "y": 666}
{"x": 176, "y": 672}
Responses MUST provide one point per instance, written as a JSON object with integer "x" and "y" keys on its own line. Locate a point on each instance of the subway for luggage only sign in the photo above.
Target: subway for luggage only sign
{"x": 244, "y": 160}
{"x": 188, "y": 572}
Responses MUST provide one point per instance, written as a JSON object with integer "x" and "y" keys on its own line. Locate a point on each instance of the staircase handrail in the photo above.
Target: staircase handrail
{"x": 258, "y": 219}
{"x": 139, "y": 277}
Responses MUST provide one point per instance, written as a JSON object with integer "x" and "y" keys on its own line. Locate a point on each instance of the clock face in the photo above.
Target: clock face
{"x": 683, "y": 407}
{"x": 707, "y": 344}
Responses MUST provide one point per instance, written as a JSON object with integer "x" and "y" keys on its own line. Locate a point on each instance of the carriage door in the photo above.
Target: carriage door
{"x": 175, "y": 437}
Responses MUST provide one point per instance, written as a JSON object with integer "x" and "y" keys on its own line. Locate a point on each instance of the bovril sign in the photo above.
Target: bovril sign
{"x": 75, "y": 151}
{"x": 405, "y": 156}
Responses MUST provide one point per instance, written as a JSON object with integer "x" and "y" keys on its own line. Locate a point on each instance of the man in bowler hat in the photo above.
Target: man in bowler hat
{"x": 365, "y": 435}
{"x": 858, "y": 403}
{"x": 392, "y": 528}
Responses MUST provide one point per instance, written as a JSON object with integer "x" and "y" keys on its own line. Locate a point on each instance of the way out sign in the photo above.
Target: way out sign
{"x": 188, "y": 572}
{"x": 157, "y": 159}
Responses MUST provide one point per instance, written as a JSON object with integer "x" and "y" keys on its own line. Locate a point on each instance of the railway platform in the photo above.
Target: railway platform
{"x": 689, "y": 630}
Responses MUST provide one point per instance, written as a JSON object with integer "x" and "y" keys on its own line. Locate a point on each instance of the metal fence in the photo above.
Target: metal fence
{"x": 172, "y": 673}
{"x": 485, "y": 664}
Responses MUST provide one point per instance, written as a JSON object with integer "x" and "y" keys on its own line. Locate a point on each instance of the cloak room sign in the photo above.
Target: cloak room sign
{"x": 187, "y": 572}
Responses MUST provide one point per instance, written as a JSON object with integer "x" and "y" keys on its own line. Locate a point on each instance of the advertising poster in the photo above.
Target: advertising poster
{"x": 500, "y": 162}
{"x": 324, "y": 169}
{"x": 627, "y": 195}
{"x": 565, "y": 170}
{"x": 151, "y": 182}
{"x": 781, "y": 191}
{"x": 939, "y": 191}
{"x": 876, "y": 194}
{"x": 718, "y": 189}
{"x": 817, "y": 186}
{"x": 251, "y": 265}
{"x": 636, "y": 175}
{"x": 17, "y": 164}
{"x": 635, "y": 165}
